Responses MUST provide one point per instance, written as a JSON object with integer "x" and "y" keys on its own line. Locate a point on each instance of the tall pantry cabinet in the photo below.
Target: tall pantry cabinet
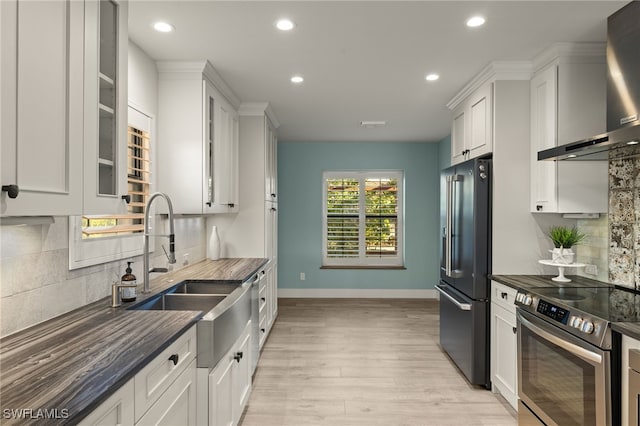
{"x": 253, "y": 231}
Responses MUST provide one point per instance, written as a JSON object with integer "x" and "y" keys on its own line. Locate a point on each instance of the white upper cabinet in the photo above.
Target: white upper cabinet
{"x": 198, "y": 131}
{"x": 42, "y": 107}
{"x": 105, "y": 94}
{"x": 568, "y": 94}
{"x": 471, "y": 132}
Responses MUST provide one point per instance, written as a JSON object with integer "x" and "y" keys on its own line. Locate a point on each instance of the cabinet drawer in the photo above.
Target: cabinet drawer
{"x": 154, "y": 379}
{"x": 504, "y": 296}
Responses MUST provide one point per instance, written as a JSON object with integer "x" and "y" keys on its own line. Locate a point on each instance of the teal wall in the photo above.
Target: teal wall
{"x": 300, "y": 167}
{"x": 444, "y": 151}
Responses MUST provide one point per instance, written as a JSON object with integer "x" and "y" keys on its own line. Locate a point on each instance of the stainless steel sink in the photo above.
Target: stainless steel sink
{"x": 180, "y": 302}
{"x": 206, "y": 287}
{"x": 226, "y": 308}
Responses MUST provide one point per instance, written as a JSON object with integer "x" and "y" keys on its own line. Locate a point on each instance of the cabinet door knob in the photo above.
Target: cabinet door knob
{"x": 11, "y": 190}
{"x": 539, "y": 207}
{"x": 238, "y": 356}
{"x": 208, "y": 203}
{"x": 263, "y": 330}
{"x": 231, "y": 205}
{"x": 515, "y": 330}
{"x": 273, "y": 195}
{"x": 264, "y": 299}
{"x": 126, "y": 198}
{"x": 273, "y": 209}
{"x": 174, "y": 359}
{"x": 503, "y": 295}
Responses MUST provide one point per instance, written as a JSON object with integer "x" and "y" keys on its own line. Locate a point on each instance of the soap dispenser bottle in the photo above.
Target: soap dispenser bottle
{"x": 128, "y": 293}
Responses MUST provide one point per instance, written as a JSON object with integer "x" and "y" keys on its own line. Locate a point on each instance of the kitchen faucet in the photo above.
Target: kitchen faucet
{"x": 171, "y": 255}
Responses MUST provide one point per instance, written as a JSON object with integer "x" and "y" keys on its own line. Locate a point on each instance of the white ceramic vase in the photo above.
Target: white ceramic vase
{"x": 562, "y": 256}
{"x": 214, "y": 244}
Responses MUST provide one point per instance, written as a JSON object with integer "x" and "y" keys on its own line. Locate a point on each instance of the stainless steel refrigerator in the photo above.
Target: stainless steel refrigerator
{"x": 465, "y": 263}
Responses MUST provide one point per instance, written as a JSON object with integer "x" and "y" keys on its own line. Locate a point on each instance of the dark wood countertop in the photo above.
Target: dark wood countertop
{"x": 75, "y": 361}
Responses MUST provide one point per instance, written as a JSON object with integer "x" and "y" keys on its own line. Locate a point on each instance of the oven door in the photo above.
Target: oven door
{"x": 562, "y": 379}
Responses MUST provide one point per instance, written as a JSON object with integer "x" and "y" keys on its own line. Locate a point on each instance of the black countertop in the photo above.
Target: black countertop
{"x": 75, "y": 361}
{"x": 530, "y": 282}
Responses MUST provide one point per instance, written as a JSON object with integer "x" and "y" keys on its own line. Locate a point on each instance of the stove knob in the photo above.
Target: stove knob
{"x": 576, "y": 322}
{"x": 587, "y": 327}
{"x": 527, "y": 300}
{"x": 519, "y": 297}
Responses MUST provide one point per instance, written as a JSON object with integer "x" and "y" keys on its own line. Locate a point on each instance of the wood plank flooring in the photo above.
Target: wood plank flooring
{"x": 346, "y": 362}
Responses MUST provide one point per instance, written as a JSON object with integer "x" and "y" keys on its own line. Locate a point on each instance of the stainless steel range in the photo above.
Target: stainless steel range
{"x": 568, "y": 357}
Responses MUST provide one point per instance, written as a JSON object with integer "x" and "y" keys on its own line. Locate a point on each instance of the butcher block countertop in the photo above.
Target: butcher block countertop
{"x": 75, "y": 361}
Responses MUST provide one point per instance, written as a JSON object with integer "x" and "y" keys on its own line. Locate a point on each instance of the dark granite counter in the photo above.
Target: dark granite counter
{"x": 528, "y": 282}
{"x": 631, "y": 329}
{"x": 75, "y": 361}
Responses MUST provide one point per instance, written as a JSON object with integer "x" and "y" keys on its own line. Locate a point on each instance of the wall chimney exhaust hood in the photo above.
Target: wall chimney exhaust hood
{"x": 623, "y": 95}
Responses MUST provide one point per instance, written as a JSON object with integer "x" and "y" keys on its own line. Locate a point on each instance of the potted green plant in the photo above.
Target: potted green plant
{"x": 564, "y": 238}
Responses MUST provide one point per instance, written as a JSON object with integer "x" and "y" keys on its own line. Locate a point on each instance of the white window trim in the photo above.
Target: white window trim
{"x": 94, "y": 251}
{"x": 362, "y": 260}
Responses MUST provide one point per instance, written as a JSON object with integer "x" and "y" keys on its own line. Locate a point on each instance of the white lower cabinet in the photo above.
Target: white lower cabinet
{"x": 230, "y": 383}
{"x": 162, "y": 393}
{"x": 504, "y": 344}
{"x": 177, "y": 405}
{"x": 627, "y": 344}
{"x": 116, "y": 410}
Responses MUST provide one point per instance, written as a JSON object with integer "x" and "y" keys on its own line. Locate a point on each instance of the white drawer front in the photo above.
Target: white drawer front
{"x": 159, "y": 374}
{"x": 504, "y": 296}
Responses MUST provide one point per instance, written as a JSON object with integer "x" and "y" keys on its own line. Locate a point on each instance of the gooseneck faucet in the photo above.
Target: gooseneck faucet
{"x": 172, "y": 249}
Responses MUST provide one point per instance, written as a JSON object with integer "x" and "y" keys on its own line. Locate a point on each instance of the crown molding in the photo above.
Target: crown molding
{"x": 259, "y": 109}
{"x": 202, "y": 67}
{"x": 496, "y": 70}
{"x": 572, "y": 53}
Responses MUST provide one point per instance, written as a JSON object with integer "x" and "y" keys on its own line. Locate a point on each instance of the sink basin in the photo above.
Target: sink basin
{"x": 206, "y": 287}
{"x": 180, "y": 302}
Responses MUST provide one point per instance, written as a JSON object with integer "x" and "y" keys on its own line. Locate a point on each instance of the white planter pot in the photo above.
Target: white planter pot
{"x": 562, "y": 256}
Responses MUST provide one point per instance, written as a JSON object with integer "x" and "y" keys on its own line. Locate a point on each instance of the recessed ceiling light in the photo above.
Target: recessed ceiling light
{"x": 432, "y": 77}
{"x": 297, "y": 79}
{"x": 633, "y": 142}
{"x": 475, "y": 21}
{"x": 285, "y": 24}
{"x": 163, "y": 27}
{"x": 571, "y": 156}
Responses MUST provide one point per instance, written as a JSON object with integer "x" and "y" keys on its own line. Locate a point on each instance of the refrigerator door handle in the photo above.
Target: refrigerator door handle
{"x": 460, "y": 305}
{"x": 449, "y": 224}
{"x": 450, "y": 218}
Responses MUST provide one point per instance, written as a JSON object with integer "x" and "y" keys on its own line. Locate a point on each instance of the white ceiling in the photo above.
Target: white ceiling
{"x": 361, "y": 60}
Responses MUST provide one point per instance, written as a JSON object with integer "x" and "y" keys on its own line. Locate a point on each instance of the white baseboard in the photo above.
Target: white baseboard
{"x": 346, "y": 293}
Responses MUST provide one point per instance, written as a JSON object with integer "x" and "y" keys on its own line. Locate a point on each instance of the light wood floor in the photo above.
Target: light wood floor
{"x": 363, "y": 362}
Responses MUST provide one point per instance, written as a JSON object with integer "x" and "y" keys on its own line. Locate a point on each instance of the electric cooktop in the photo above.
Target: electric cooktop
{"x": 586, "y": 312}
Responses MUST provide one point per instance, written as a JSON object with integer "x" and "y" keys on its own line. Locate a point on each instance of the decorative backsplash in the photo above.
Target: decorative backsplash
{"x": 624, "y": 217}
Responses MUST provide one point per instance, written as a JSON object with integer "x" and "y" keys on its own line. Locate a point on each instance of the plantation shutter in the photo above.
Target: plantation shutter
{"x": 363, "y": 218}
{"x": 138, "y": 182}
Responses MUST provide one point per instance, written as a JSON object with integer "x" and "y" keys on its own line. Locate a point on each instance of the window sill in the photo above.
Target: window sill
{"x": 399, "y": 268}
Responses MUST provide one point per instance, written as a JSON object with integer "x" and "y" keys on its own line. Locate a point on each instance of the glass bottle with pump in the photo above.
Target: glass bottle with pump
{"x": 128, "y": 293}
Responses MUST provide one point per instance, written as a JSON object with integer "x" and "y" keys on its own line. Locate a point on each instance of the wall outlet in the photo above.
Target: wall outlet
{"x": 591, "y": 269}
{"x": 302, "y": 276}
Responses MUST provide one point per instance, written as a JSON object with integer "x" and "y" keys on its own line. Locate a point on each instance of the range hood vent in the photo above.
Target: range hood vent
{"x": 620, "y": 143}
{"x": 623, "y": 95}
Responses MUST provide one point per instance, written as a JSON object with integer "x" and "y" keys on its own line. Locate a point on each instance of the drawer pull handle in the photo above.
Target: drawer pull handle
{"x": 503, "y": 295}
{"x": 11, "y": 190}
{"x": 238, "y": 356}
{"x": 174, "y": 359}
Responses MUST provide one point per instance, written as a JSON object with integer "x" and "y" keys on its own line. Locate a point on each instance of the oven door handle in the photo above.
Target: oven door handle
{"x": 574, "y": 349}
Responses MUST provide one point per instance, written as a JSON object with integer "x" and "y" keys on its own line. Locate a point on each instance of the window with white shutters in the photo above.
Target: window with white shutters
{"x": 362, "y": 221}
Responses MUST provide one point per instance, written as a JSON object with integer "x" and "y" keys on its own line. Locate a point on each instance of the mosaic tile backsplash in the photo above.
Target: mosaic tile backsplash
{"x": 624, "y": 218}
